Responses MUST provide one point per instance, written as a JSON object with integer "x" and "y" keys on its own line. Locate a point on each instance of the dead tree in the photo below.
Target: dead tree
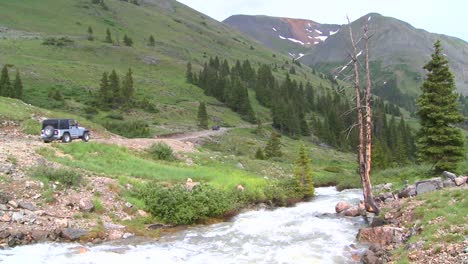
{"x": 364, "y": 117}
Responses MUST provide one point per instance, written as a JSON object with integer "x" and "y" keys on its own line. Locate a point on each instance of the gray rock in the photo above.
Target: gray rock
{"x": 4, "y": 198}
{"x": 429, "y": 185}
{"x": 86, "y": 205}
{"x": 127, "y": 235}
{"x": 72, "y": 234}
{"x": 4, "y": 234}
{"x": 3, "y": 207}
{"x": 369, "y": 257}
{"x": 449, "y": 175}
{"x": 27, "y": 205}
{"x": 448, "y": 183}
{"x": 240, "y": 165}
{"x": 18, "y": 217}
{"x": 7, "y": 168}
{"x": 382, "y": 235}
{"x": 459, "y": 181}
{"x": 128, "y": 205}
{"x": 409, "y": 191}
{"x": 150, "y": 60}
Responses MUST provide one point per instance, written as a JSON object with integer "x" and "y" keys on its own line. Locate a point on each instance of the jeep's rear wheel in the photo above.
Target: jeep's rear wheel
{"x": 49, "y": 131}
{"x": 66, "y": 138}
{"x": 85, "y": 137}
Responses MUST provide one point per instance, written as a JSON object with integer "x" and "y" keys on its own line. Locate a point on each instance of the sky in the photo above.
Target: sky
{"x": 447, "y": 17}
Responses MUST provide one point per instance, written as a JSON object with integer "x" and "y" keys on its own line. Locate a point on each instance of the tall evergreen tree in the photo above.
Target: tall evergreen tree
{"x": 439, "y": 143}
{"x": 188, "y": 73}
{"x": 17, "y": 86}
{"x": 273, "y": 147}
{"x": 259, "y": 154}
{"x": 303, "y": 174}
{"x": 127, "y": 41}
{"x": 127, "y": 87}
{"x": 5, "y": 85}
{"x": 202, "y": 116}
{"x": 105, "y": 96}
{"x": 114, "y": 88}
{"x": 151, "y": 41}
{"x": 108, "y": 36}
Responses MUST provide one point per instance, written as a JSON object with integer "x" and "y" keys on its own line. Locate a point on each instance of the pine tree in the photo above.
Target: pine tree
{"x": 108, "y": 36}
{"x": 303, "y": 174}
{"x": 127, "y": 87}
{"x": 273, "y": 147}
{"x": 114, "y": 88}
{"x": 5, "y": 85}
{"x": 439, "y": 142}
{"x": 202, "y": 116}
{"x": 188, "y": 73}
{"x": 259, "y": 154}
{"x": 151, "y": 41}
{"x": 104, "y": 91}
{"x": 127, "y": 41}
{"x": 17, "y": 86}
{"x": 90, "y": 34}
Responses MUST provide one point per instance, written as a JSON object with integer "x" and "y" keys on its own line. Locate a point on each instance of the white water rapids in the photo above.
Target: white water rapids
{"x": 300, "y": 234}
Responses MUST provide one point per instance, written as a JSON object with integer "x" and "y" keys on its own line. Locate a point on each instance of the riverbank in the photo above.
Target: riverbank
{"x": 426, "y": 227}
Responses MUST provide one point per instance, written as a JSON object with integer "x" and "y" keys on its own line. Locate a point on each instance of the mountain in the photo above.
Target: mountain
{"x": 47, "y": 41}
{"x": 398, "y": 50}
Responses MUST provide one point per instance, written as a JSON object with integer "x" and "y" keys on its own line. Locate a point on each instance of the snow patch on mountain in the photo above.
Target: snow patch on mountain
{"x": 274, "y": 29}
{"x": 281, "y": 37}
{"x": 322, "y": 38}
{"x": 334, "y": 32}
{"x": 296, "y": 41}
{"x": 318, "y": 31}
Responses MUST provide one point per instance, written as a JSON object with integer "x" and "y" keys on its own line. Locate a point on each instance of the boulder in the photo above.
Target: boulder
{"x": 3, "y": 207}
{"x": 115, "y": 234}
{"x": 449, "y": 175}
{"x": 7, "y": 168}
{"x": 428, "y": 185}
{"x": 342, "y": 206}
{"x": 61, "y": 222}
{"x": 4, "y": 198}
{"x": 86, "y": 205}
{"x": 353, "y": 211}
{"x": 459, "y": 181}
{"x": 72, "y": 234}
{"x": 27, "y": 205}
{"x": 409, "y": 191}
{"x": 382, "y": 235}
{"x": 369, "y": 257}
{"x": 39, "y": 235}
{"x": 448, "y": 183}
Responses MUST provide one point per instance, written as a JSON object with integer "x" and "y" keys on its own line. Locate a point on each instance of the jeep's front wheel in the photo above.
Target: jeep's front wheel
{"x": 85, "y": 137}
{"x": 66, "y": 138}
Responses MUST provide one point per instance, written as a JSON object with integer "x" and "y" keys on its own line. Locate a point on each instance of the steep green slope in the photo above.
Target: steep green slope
{"x": 181, "y": 35}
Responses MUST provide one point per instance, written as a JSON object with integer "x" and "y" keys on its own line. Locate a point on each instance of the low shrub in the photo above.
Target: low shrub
{"x": 130, "y": 129}
{"x": 67, "y": 177}
{"x": 161, "y": 151}
{"x": 176, "y": 205}
{"x": 333, "y": 169}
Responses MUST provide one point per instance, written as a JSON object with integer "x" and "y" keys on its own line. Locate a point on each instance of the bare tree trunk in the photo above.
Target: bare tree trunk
{"x": 370, "y": 202}
{"x": 364, "y": 124}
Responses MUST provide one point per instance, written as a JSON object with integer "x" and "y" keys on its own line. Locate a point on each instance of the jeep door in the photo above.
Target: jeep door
{"x": 74, "y": 131}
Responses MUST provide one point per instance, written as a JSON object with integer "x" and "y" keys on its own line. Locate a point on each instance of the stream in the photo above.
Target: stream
{"x": 301, "y": 234}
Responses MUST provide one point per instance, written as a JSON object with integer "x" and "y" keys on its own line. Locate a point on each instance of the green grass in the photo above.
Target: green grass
{"x": 450, "y": 209}
{"x": 116, "y": 161}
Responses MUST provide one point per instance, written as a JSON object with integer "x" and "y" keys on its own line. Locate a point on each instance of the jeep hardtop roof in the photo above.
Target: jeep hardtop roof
{"x": 57, "y": 123}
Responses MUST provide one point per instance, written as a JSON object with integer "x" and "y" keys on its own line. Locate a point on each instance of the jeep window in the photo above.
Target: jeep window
{"x": 72, "y": 122}
{"x": 64, "y": 124}
{"x": 53, "y": 123}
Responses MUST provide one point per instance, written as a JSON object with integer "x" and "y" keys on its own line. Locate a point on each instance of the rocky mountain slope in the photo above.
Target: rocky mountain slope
{"x": 398, "y": 50}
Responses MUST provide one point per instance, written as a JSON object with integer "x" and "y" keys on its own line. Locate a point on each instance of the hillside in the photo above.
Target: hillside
{"x": 398, "y": 50}
{"x": 75, "y": 67}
